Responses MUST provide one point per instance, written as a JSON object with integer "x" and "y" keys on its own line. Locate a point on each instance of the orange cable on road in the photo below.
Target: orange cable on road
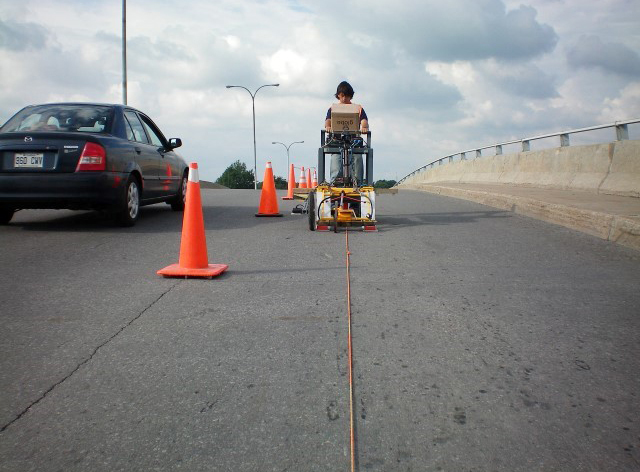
{"x": 350, "y": 353}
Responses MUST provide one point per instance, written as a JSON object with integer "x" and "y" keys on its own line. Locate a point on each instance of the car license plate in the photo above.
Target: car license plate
{"x": 28, "y": 159}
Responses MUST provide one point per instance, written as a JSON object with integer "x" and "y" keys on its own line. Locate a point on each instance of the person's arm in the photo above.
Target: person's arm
{"x": 364, "y": 121}
{"x": 327, "y": 121}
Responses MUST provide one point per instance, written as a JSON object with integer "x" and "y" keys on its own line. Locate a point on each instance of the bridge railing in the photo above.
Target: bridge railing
{"x": 621, "y": 129}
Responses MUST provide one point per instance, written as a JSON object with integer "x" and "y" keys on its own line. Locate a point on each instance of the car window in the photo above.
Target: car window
{"x": 128, "y": 129}
{"x": 61, "y": 117}
{"x": 152, "y": 132}
{"x": 136, "y": 126}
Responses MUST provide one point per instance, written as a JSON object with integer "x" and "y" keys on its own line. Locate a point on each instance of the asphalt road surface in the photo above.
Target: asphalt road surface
{"x": 483, "y": 341}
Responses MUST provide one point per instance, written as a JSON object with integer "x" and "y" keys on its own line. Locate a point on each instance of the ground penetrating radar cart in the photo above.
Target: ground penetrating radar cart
{"x": 344, "y": 202}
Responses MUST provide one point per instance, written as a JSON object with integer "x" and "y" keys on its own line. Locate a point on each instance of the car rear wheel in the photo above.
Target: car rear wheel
{"x": 312, "y": 211}
{"x": 6, "y": 214}
{"x": 129, "y": 208}
{"x": 177, "y": 203}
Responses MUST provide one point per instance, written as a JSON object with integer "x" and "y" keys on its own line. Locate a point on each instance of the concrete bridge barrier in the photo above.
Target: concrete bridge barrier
{"x": 593, "y": 188}
{"x": 623, "y": 177}
{"x": 611, "y": 168}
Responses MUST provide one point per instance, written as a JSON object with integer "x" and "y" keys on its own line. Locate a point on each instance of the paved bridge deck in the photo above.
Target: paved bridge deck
{"x": 483, "y": 340}
{"x": 611, "y": 217}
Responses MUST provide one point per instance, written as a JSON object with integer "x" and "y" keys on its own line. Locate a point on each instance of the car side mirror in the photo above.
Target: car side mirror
{"x": 175, "y": 143}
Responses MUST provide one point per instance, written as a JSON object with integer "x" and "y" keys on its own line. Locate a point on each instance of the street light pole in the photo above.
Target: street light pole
{"x": 124, "y": 52}
{"x": 287, "y": 148}
{"x": 253, "y": 107}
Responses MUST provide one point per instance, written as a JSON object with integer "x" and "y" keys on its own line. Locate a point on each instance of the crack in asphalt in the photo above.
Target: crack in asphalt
{"x": 95, "y": 351}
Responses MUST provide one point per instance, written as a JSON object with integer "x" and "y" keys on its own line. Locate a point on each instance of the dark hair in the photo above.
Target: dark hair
{"x": 346, "y": 88}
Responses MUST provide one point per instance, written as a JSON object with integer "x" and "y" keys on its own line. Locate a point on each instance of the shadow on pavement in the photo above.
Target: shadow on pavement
{"x": 153, "y": 219}
{"x": 422, "y": 219}
{"x": 160, "y": 218}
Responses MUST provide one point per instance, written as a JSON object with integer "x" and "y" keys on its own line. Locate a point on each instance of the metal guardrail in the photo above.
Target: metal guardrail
{"x": 621, "y": 127}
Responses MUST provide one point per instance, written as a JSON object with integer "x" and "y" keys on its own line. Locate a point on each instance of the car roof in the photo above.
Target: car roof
{"x": 112, "y": 105}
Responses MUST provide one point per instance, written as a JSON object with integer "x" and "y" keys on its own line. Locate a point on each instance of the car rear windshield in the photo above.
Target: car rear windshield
{"x": 87, "y": 118}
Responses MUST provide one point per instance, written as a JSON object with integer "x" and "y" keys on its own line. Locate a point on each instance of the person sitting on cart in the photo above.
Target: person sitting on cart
{"x": 344, "y": 93}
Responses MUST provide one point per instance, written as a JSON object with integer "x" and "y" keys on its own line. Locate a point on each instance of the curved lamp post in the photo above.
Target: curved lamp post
{"x": 253, "y": 105}
{"x": 124, "y": 52}
{"x": 287, "y": 148}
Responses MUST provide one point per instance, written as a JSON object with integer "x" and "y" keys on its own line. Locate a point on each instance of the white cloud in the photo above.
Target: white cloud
{"x": 452, "y": 30}
{"x": 616, "y": 58}
{"x": 624, "y": 106}
{"x": 233, "y": 42}
{"x": 289, "y": 68}
{"x": 17, "y": 36}
{"x": 435, "y": 77}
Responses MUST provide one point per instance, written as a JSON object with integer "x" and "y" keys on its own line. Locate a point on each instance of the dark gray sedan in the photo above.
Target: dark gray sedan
{"x": 88, "y": 156}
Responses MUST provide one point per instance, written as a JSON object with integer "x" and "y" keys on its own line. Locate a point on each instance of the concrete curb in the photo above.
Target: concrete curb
{"x": 611, "y": 168}
{"x": 624, "y": 230}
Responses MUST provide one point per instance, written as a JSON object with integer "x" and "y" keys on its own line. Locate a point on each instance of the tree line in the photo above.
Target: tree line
{"x": 238, "y": 176}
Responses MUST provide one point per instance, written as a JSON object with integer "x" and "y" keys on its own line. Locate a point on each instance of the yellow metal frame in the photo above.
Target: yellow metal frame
{"x": 341, "y": 213}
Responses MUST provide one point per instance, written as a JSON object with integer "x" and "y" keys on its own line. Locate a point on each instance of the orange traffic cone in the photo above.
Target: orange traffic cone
{"x": 309, "y": 178}
{"x": 268, "y": 201}
{"x": 314, "y": 181}
{"x": 193, "y": 245}
{"x": 303, "y": 179}
{"x": 292, "y": 183}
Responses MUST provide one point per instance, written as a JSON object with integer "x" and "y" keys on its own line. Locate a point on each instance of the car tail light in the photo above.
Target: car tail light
{"x": 93, "y": 158}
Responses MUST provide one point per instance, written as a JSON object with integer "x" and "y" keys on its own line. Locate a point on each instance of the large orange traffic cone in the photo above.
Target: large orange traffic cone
{"x": 193, "y": 260}
{"x": 314, "y": 181}
{"x": 292, "y": 183}
{"x": 268, "y": 201}
{"x": 303, "y": 179}
{"x": 309, "y": 178}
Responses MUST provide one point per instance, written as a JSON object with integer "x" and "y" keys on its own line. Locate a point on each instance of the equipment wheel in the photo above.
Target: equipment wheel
{"x": 6, "y": 213}
{"x": 177, "y": 203}
{"x": 312, "y": 210}
{"x": 128, "y": 210}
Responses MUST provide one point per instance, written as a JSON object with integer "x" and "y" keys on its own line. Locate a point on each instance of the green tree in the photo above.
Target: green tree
{"x": 236, "y": 176}
{"x": 280, "y": 183}
{"x": 384, "y": 183}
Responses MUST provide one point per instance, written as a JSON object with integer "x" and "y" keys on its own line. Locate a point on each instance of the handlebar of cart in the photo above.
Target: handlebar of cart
{"x": 336, "y": 143}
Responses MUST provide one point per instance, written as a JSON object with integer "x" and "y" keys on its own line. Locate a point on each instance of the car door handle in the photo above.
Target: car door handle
{"x": 137, "y": 149}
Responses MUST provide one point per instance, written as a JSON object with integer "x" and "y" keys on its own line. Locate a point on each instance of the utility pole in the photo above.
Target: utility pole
{"x": 124, "y": 52}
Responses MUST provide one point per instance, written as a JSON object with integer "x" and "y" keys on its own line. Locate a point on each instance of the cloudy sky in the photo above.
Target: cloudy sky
{"x": 435, "y": 77}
